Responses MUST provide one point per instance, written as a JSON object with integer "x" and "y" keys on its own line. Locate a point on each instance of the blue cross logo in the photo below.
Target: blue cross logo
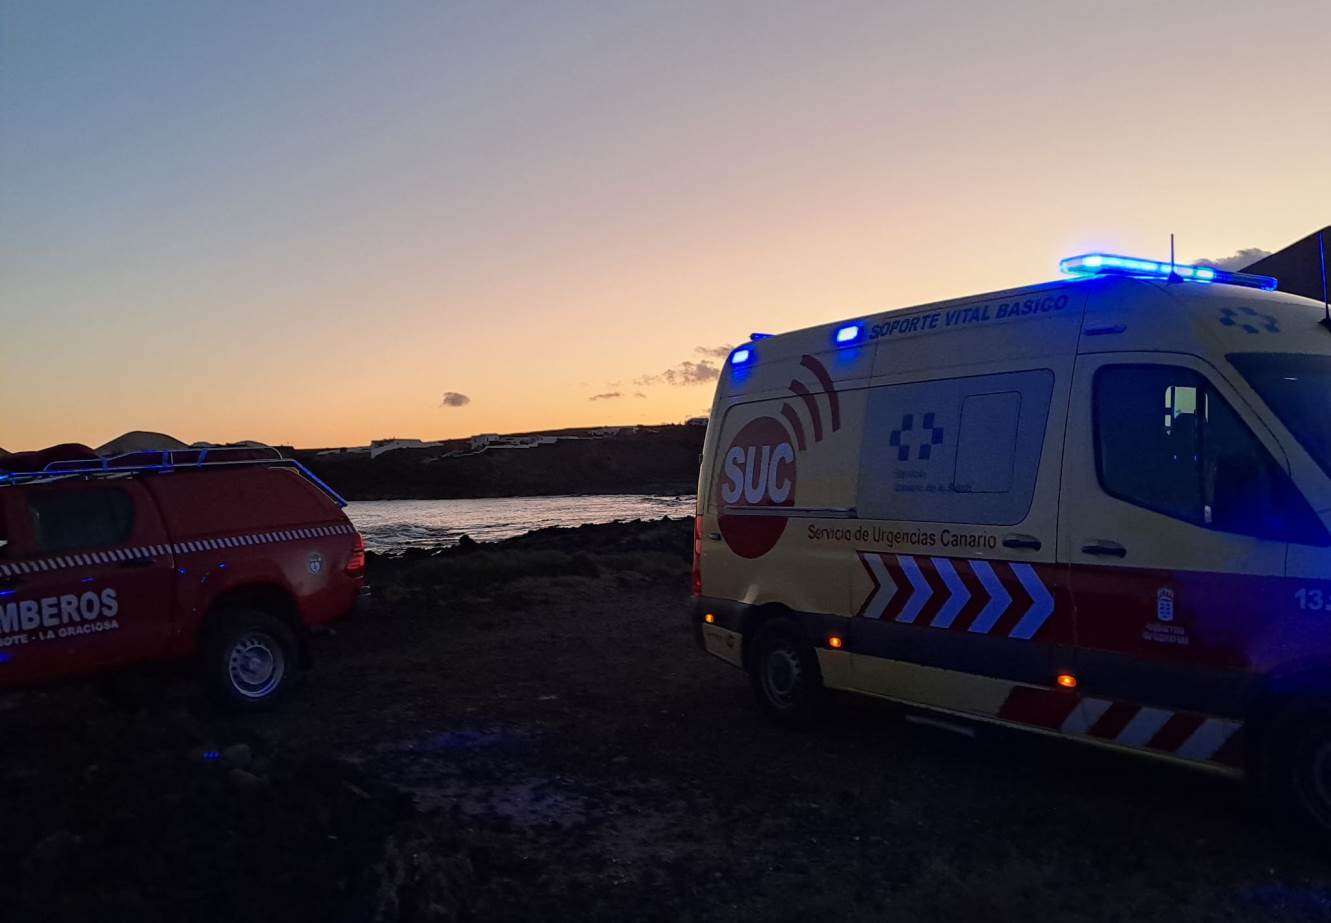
{"x": 930, "y": 436}
{"x": 1249, "y": 320}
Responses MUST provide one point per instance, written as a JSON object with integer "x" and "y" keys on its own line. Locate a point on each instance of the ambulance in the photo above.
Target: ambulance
{"x": 1096, "y": 508}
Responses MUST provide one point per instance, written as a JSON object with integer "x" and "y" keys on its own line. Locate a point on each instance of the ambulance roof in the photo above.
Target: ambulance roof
{"x": 1156, "y": 313}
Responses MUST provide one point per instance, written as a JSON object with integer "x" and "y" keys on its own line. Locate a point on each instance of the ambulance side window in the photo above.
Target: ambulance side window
{"x": 72, "y": 520}
{"x": 1165, "y": 441}
{"x": 955, "y": 449}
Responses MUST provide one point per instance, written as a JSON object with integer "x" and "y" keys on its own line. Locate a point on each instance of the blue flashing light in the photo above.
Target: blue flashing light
{"x": 1102, "y": 264}
{"x": 760, "y": 336}
{"x": 848, "y": 334}
{"x": 741, "y": 356}
{"x": 211, "y": 755}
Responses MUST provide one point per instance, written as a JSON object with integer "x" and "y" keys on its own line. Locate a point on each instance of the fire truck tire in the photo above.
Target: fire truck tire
{"x": 1297, "y": 768}
{"x": 250, "y": 659}
{"x": 783, "y": 668}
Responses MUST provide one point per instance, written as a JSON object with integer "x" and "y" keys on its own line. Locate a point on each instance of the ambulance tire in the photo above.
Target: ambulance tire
{"x": 1296, "y": 768}
{"x": 250, "y": 659}
{"x": 783, "y": 668}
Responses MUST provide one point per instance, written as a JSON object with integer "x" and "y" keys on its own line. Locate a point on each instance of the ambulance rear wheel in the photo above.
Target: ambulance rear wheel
{"x": 250, "y": 659}
{"x": 783, "y": 668}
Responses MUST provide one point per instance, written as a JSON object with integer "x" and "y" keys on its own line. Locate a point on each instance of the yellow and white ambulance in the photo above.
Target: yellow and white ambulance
{"x": 1095, "y": 508}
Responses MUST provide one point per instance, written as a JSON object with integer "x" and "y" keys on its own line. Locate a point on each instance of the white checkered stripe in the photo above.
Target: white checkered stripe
{"x": 115, "y": 555}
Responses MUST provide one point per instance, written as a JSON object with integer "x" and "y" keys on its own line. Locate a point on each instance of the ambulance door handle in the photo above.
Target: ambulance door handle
{"x": 1105, "y": 548}
{"x": 714, "y": 536}
{"x": 1021, "y": 541}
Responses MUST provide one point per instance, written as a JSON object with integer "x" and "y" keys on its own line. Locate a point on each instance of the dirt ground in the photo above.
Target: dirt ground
{"x": 528, "y": 731}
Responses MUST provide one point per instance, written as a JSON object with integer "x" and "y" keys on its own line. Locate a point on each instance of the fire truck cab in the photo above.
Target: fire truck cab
{"x": 231, "y": 556}
{"x": 1096, "y": 508}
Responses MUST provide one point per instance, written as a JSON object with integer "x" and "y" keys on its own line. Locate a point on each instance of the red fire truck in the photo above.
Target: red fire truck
{"x": 227, "y": 555}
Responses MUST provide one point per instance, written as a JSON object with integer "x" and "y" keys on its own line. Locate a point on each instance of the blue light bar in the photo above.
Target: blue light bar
{"x": 848, "y": 334}
{"x": 741, "y": 356}
{"x": 1107, "y": 264}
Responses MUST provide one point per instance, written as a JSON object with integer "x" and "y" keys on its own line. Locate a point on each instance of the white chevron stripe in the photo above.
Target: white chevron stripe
{"x": 1042, "y": 604}
{"x": 958, "y": 598}
{"x": 1207, "y": 740}
{"x": 921, "y": 587}
{"x": 999, "y": 599}
{"x": 887, "y": 587}
{"x": 1085, "y": 715}
{"x": 1143, "y": 726}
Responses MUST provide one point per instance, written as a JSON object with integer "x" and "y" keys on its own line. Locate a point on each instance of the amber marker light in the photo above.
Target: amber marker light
{"x": 709, "y": 619}
{"x": 834, "y": 642}
{"x": 1067, "y": 681}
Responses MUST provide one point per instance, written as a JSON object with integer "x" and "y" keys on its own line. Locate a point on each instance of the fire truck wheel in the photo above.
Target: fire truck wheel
{"x": 1298, "y": 767}
{"x": 250, "y": 659}
{"x": 783, "y": 668}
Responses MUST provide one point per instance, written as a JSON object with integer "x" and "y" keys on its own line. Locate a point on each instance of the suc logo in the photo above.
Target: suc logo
{"x": 758, "y": 470}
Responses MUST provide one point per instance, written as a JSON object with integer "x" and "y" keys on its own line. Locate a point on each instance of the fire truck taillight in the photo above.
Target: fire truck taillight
{"x": 1067, "y": 681}
{"x": 356, "y": 563}
{"x": 697, "y": 555}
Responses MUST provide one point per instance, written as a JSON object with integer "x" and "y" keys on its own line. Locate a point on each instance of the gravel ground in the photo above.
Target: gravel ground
{"x": 570, "y": 754}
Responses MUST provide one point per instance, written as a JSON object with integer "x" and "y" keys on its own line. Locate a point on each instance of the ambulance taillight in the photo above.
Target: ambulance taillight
{"x": 356, "y": 563}
{"x": 697, "y": 556}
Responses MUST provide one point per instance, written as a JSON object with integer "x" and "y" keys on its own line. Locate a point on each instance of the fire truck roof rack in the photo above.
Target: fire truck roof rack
{"x": 167, "y": 462}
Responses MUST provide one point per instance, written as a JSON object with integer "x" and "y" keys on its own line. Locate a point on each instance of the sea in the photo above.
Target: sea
{"x": 396, "y": 525}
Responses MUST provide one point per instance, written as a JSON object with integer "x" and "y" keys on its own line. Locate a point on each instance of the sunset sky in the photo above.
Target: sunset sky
{"x": 308, "y": 222}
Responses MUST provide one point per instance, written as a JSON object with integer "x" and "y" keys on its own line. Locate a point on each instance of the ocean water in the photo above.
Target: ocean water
{"x": 395, "y": 525}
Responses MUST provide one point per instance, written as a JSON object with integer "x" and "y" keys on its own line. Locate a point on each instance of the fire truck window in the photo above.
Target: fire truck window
{"x": 1165, "y": 441}
{"x": 72, "y": 520}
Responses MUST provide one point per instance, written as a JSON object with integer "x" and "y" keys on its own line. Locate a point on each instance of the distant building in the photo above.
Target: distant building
{"x": 380, "y": 446}
{"x": 696, "y": 421}
{"x": 495, "y": 441}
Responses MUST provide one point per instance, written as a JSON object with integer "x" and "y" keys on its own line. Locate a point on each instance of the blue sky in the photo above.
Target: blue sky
{"x": 304, "y": 222}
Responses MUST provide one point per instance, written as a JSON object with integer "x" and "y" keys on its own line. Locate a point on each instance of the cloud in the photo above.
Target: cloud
{"x": 716, "y": 352}
{"x": 686, "y": 373}
{"x": 638, "y": 394}
{"x": 1240, "y": 260}
{"x": 454, "y": 399}
{"x": 607, "y": 396}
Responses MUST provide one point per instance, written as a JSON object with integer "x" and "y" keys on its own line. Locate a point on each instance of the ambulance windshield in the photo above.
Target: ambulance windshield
{"x": 1297, "y": 386}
